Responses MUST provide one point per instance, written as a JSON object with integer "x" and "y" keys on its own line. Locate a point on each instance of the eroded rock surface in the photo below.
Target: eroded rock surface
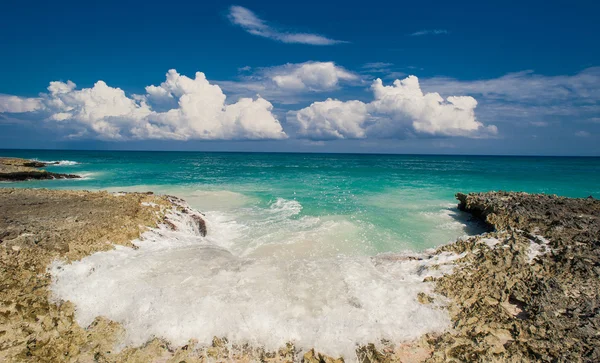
{"x": 530, "y": 291}
{"x": 38, "y": 226}
{"x": 15, "y": 169}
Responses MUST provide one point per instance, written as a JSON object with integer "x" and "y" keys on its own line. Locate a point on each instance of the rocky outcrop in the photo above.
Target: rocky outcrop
{"x": 530, "y": 290}
{"x": 15, "y": 169}
{"x": 38, "y": 226}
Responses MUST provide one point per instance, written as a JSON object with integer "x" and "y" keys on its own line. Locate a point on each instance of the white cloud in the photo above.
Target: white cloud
{"x": 332, "y": 119}
{"x": 527, "y": 86}
{"x": 251, "y": 23}
{"x": 313, "y": 76}
{"x": 396, "y": 111}
{"x": 201, "y": 101}
{"x": 200, "y": 112}
{"x": 290, "y": 83}
{"x": 527, "y": 96}
{"x": 58, "y": 87}
{"x": 430, "y": 32}
{"x": 14, "y": 104}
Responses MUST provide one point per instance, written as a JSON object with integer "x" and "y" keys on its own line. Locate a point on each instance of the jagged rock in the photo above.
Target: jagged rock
{"x": 313, "y": 357}
{"x": 424, "y": 298}
{"x": 533, "y": 295}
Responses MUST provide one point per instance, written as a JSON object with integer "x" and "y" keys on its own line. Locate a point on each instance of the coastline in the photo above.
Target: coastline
{"x": 506, "y": 292}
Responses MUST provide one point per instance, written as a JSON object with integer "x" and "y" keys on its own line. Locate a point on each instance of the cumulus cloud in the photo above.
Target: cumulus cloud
{"x": 396, "y": 111}
{"x": 14, "y": 104}
{"x": 332, "y": 119}
{"x": 200, "y": 111}
{"x": 313, "y": 76}
{"x": 429, "y": 32}
{"x": 251, "y": 23}
{"x": 286, "y": 83}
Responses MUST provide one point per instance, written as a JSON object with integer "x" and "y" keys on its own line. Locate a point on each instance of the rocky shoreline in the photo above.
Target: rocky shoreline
{"x": 528, "y": 290}
{"x": 15, "y": 169}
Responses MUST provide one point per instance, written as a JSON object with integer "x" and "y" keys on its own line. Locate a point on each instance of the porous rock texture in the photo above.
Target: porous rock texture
{"x": 38, "y": 226}
{"x": 530, "y": 290}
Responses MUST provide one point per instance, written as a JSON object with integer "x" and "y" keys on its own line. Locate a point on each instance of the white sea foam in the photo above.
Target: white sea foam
{"x": 178, "y": 285}
{"x": 59, "y": 162}
{"x": 490, "y": 242}
{"x": 86, "y": 176}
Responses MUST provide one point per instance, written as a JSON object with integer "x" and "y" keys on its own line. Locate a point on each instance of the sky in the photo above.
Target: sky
{"x": 436, "y": 77}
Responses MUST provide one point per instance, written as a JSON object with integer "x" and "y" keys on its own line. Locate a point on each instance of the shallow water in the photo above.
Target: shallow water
{"x": 298, "y": 245}
{"x": 366, "y": 203}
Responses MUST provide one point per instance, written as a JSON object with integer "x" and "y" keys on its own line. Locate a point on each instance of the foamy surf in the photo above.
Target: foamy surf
{"x": 179, "y": 286}
{"x": 59, "y": 162}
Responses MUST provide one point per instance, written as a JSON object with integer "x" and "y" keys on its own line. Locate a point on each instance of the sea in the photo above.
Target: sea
{"x": 305, "y": 248}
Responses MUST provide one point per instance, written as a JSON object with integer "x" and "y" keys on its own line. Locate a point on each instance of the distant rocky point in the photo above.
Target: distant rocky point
{"x": 16, "y": 169}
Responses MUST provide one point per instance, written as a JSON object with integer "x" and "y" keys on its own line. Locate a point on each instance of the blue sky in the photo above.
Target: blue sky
{"x": 512, "y": 77}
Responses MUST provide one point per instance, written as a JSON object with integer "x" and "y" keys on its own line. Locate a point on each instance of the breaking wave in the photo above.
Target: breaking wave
{"x": 59, "y": 162}
{"x": 264, "y": 276}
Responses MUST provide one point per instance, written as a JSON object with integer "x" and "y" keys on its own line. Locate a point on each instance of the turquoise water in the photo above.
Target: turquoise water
{"x": 376, "y": 203}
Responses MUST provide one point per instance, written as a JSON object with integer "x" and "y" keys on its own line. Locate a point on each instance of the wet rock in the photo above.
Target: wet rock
{"x": 424, "y": 298}
{"x": 200, "y": 224}
{"x": 313, "y": 357}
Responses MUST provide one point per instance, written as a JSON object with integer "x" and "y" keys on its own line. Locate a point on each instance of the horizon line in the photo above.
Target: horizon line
{"x": 306, "y": 152}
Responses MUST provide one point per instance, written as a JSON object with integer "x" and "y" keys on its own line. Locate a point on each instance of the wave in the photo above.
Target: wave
{"x": 177, "y": 278}
{"x": 59, "y": 162}
{"x": 87, "y": 176}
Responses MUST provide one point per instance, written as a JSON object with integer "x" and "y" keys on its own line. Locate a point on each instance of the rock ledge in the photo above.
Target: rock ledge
{"x": 15, "y": 169}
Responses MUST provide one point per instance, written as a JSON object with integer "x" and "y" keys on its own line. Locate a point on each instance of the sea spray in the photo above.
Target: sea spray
{"x": 179, "y": 286}
{"x": 59, "y": 162}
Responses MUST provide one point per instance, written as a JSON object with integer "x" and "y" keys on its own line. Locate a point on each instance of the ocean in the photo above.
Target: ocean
{"x": 300, "y": 247}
